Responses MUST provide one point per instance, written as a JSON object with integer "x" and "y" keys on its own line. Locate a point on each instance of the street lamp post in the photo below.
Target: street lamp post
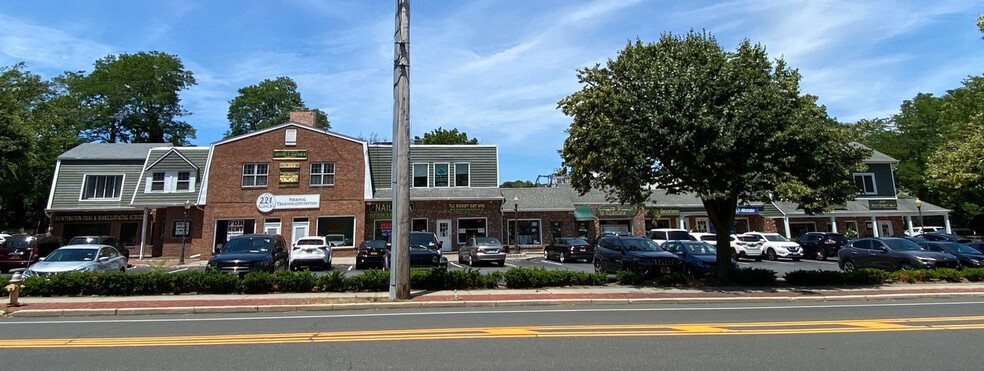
{"x": 184, "y": 236}
{"x": 516, "y": 223}
{"x": 919, "y": 208}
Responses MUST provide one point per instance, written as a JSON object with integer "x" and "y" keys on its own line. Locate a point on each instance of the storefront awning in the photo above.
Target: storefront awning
{"x": 583, "y": 213}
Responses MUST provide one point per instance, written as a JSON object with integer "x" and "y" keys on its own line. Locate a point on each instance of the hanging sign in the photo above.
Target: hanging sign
{"x": 290, "y": 154}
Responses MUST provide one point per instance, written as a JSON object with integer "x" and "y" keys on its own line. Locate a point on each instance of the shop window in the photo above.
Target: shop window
{"x": 865, "y": 183}
{"x": 529, "y": 232}
{"x": 157, "y": 182}
{"x": 799, "y": 229}
{"x": 660, "y": 223}
{"x": 471, "y": 227}
{"x": 323, "y": 174}
{"x": 382, "y": 230}
{"x": 271, "y": 226}
{"x": 102, "y": 187}
{"x": 255, "y": 175}
{"x": 336, "y": 227}
{"x": 582, "y": 230}
{"x": 128, "y": 233}
{"x": 441, "y": 175}
{"x": 619, "y": 227}
{"x": 702, "y": 225}
{"x": 850, "y": 226}
{"x": 421, "y": 178}
{"x": 226, "y": 229}
{"x": 418, "y": 225}
{"x": 462, "y": 174}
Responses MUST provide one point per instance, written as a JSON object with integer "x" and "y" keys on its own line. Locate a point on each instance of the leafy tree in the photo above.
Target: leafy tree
{"x": 443, "y": 136}
{"x": 517, "y": 184}
{"x": 686, "y": 116}
{"x": 956, "y": 170}
{"x": 133, "y": 98}
{"x": 267, "y": 104}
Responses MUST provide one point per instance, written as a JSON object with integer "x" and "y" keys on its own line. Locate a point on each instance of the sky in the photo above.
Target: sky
{"x": 494, "y": 69}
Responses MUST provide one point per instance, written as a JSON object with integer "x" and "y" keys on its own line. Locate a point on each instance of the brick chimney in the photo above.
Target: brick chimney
{"x": 309, "y": 118}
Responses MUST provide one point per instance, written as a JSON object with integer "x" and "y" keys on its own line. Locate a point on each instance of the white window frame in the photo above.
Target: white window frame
{"x": 170, "y": 181}
{"x": 457, "y": 224}
{"x": 322, "y": 174}
{"x": 254, "y": 175}
{"x": 151, "y": 181}
{"x": 874, "y": 184}
{"x": 539, "y": 229}
{"x": 707, "y": 225}
{"x": 290, "y": 137}
{"x": 448, "y": 164}
{"x": 191, "y": 181}
{"x": 85, "y": 178}
{"x": 413, "y": 174}
{"x": 456, "y": 173}
{"x": 270, "y": 222}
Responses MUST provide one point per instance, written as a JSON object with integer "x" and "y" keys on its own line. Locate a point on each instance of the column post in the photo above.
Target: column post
{"x": 874, "y": 226}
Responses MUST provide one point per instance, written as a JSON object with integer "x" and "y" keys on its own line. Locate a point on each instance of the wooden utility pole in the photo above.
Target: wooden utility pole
{"x": 400, "y": 235}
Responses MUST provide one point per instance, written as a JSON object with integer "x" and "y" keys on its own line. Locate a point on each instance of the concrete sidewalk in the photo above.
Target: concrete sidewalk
{"x": 611, "y": 295}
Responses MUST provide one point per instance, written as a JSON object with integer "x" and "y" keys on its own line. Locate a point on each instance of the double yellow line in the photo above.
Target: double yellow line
{"x": 635, "y": 330}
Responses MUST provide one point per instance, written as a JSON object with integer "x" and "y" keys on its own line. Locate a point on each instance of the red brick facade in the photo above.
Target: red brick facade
{"x": 453, "y": 210}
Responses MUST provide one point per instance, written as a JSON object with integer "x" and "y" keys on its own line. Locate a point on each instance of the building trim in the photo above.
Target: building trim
{"x": 367, "y": 191}
{"x": 141, "y": 178}
{"x": 54, "y": 181}
{"x": 168, "y": 153}
{"x": 284, "y": 125}
{"x": 203, "y": 190}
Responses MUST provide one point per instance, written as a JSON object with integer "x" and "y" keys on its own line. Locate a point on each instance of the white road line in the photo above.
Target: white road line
{"x": 455, "y": 265}
{"x": 497, "y": 312}
{"x": 350, "y": 268}
{"x": 510, "y": 265}
{"x": 178, "y": 270}
{"x": 550, "y": 262}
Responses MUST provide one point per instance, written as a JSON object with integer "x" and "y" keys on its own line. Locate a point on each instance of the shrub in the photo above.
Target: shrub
{"x": 671, "y": 279}
{"x": 865, "y": 276}
{"x": 333, "y": 281}
{"x": 257, "y": 283}
{"x": 295, "y": 282}
{"x": 115, "y": 284}
{"x": 973, "y": 274}
{"x": 911, "y": 276}
{"x": 4, "y": 280}
{"x": 944, "y": 274}
{"x": 624, "y": 277}
{"x": 522, "y": 278}
{"x": 370, "y": 280}
{"x": 753, "y": 277}
{"x": 217, "y": 283}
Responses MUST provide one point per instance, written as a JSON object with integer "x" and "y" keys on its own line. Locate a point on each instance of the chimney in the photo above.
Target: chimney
{"x": 309, "y": 118}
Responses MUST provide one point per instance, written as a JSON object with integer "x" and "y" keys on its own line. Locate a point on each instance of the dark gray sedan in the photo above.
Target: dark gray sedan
{"x": 891, "y": 254}
{"x": 482, "y": 249}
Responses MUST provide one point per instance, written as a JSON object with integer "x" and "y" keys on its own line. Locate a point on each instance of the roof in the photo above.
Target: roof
{"x": 539, "y": 199}
{"x": 905, "y": 206}
{"x": 452, "y": 193}
{"x": 286, "y": 124}
{"x": 875, "y": 157}
{"x": 110, "y": 151}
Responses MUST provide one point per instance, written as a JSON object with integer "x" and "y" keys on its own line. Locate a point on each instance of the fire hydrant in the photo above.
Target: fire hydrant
{"x": 14, "y": 288}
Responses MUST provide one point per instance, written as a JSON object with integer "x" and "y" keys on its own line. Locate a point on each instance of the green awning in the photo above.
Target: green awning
{"x": 583, "y": 213}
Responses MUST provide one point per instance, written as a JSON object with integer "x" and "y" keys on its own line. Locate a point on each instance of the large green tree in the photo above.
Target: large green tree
{"x": 133, "y": 98}
{"x": 445, "y": 136}
{"x": 684, "y": 115}
{"x": 517, "y": 184}
{"x": 267, "y": 104}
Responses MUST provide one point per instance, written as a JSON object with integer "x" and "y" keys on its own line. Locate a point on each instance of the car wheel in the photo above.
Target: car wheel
{"x": 849, "y": 266}
{"x": 561, "y": 258}
{"x": 771, "y": 254}
{"x": 502, "y": 263}
{"x": 821, "y": 255}
{"x": 906, "y": 266}
{"x": 123, "y": 269}
{"x": 597, "y": 266}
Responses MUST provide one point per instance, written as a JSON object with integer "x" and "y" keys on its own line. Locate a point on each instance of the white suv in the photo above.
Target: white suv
{"x": 920, "y": 230}
{"x": 776, "y": 246}
{"x": 661, "y": 235}
{"x": 744, "y": 246}
{"x": 310, "y": 252}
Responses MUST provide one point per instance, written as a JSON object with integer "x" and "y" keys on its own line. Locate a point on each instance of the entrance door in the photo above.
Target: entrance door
{"x": 885, "y": 228}
{"x": 300, "y": 230}
{"x": 444, "y": 234}
{"x": 271, "y": 226}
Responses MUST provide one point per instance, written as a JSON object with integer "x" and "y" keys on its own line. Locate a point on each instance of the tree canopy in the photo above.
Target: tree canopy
{"x": 266, "y": 104}
{"x": 444, "y": 136}
{"x": 684, "y": 115}
{"x": 517, "y": 184}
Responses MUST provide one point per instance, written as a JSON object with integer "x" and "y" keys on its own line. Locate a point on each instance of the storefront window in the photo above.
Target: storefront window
{"x": 420, "y": 176}
{"x": 620, "y": 227}
{"x": 661, "y": 223}
{"x": 338, "y": 225}
{"x": 382, "y": 229}
{"x": 471, "y": 227}
{"x": 418, "y": 225}
{"x": 529, "y": 231}
{"x": 225, "y": 229}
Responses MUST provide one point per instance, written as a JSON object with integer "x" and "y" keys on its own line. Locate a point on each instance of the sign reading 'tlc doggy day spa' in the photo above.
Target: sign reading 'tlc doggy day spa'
{"x": 268, "y": 202}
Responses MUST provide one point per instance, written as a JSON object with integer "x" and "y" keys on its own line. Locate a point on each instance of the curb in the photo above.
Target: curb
{"x": 284, "y": 308}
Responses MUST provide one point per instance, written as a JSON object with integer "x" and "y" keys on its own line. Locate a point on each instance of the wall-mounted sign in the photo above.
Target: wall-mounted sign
{"x": 289, "y": 154}
{"x": 382, "y": 210}
{"x": 615, "y": 211}
{"x": 290, "y": 179}
{"x": 465, "y": 206}
{"x": 268, "y": 202}
{"x": 665, "y": 212}
{"x": 181, "y": 228}
{"x": 290, "y": 165}
{"x": 883, "y": 204}
{"x": 746, "y": 210}
{"x": 97, "y": 218}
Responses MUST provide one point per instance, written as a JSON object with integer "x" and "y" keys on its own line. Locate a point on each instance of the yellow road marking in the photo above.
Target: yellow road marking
{"x": 846, "y": 326}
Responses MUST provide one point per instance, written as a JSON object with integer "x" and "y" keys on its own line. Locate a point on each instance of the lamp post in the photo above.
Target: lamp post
{"x": 919, "y": 208}
{"x": 516, "y": 222}
{"x": 184, "y": 236}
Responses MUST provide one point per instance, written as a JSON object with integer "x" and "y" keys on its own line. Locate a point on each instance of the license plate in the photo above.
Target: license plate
{"x": 373, "y": 253}
{"x": 15, "y": 253}
{"x": 664, "y": 269}
{"x": 309, "y": 250}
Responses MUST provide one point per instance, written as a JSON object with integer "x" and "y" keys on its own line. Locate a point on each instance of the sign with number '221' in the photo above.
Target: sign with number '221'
{"x": 268, "y": 202}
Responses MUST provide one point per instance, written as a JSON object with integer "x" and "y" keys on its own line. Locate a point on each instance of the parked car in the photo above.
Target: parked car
{"x": 311, "y": 252}
{"x": 100, "y": 240}
{"x": 661, "y": 235}
{"x": 968, "y": 256}
{"x": 482, "y": 249}
{"x": 979, "y": 246}
{"x": 251, "y": 253}
{"x": 891, "y": 253}
{"x": 941, "y": 236}
{"x": 820, "y": 245}
{"x": 638, "y": 254}
{"x": 372, "y": 253}
{"x": 927, "y": 229}
{"x": 743, "y": 246}
{"x": 566, "y": 249}
{"x": 425, "y": 251}
{"x": 22, "y": 250}
{"x": 79, "y": 258}
{"x": 698, "y": 257}
{"x": 3, "y": 237}
{"x": 777, "y": 246}
{"x": 966, "y": 233}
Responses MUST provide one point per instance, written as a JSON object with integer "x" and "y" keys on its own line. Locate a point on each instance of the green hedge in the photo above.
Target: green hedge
{"x": 753, "y": 277}
{"x": 525, "y": 278}
{"x": 876, "y": 276}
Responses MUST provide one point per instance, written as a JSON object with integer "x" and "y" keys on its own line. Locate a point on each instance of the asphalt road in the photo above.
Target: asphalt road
{"x": 891, "y": 335}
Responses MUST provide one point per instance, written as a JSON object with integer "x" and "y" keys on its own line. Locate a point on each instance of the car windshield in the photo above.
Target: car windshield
{"x": 423, "y": 240}
{"x": 574, "y": 241}
{"x": 837, "y": 237}
{"x": 902, "y": 245}
{"x": 640, "y": 244}
{"x": 679, "y": 236}
{"x": 315, "y": 242}
{"x": 775, "y": 238}
{"x": 19, "y": 242}
{"x": 956, "y": 248}
{"x": 748, "y": 238}
{"x": 375, "y": 244}
{"x": 700, "y": 249}
{"x": 486, "y": 241}
{"x": 72, "y": 255}
{"x": 83, "y": 241}
{"x": 248, "y": 245}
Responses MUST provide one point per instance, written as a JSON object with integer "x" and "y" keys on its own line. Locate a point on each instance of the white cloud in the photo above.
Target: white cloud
{"x": 47, "y": 47}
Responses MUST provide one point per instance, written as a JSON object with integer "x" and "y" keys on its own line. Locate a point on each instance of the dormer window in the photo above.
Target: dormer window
{"x": 865, "y": 183}
{"x": 170, "y": 182}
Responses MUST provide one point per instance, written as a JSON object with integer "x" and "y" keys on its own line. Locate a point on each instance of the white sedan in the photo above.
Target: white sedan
{"x": 776, "y": 246}
{"x": 79, "y": 258}
{"x": 310, "y": 252}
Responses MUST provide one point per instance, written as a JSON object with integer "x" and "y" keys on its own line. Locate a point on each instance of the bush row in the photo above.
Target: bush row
{"x": 525, "y": 278}
{"x": 876, "y": 276}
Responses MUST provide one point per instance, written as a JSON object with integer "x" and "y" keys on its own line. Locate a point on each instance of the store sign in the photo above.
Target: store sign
{"x": 615, "y": 210}
{"x": 382, "y": 210}
{"x": 747, "y": 210}
{"x": 289, "y": 154}
{"x": 235, "y": 228}
{"x": 665, "y": 212}
{"x": 883, "y": 204}
{"x": 181, "y": 228}
{"x": 290, "y": 179}
{"x": 290, "y": 165}
{"x": 268, "y": 202}
{"x": 97, "y": 218}
{"x": 466, "y": 207}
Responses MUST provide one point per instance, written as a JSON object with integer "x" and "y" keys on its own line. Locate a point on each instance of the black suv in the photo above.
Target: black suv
{"x": 638, "y": 254}
{"x": 251, "y": 253}
{"x": 820, "y": 245}
{"x": 425, "y": 251}
{"x": 891, "y": 253}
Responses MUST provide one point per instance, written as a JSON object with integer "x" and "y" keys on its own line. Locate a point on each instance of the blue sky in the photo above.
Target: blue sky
{"x": 494, "y": 69}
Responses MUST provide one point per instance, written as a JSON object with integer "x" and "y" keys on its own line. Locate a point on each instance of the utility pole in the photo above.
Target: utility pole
{"x": 400, "y": 253}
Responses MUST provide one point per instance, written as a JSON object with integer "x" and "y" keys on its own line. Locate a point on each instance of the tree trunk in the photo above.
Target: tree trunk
{"x": 721, "y": 213}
